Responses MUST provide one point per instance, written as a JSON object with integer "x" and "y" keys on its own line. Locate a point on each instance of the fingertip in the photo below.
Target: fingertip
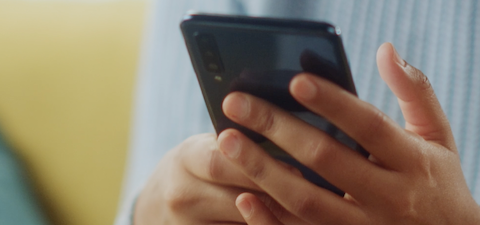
{"x": 224, "y": 134}
{"x": 236, "y": 106}
{"x": 387, "y": 55}
{"x": 244, "y": 205}
{"x": 392, "y": 70}
{"x": 303, "y": 87}
{"x": 384, "y": 51}
{"x": 254, "y": 211}
{"x": 420, "y": 108}
{"x": 229, "y": 143}
{"x": 243, "y": 197}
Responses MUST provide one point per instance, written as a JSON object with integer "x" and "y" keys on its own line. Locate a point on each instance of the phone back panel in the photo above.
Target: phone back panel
{"x": 260, "y": 56}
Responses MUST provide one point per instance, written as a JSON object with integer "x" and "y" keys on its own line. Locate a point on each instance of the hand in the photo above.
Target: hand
{"x": 413, "y": 175}
{"x": 195, "y": 184}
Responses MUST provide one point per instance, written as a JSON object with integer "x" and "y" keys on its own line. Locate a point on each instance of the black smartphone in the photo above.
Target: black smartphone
{"x": 260, "y": 56}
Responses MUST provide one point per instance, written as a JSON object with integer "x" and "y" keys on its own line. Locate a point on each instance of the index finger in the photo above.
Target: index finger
{"x": 360, "y": 120}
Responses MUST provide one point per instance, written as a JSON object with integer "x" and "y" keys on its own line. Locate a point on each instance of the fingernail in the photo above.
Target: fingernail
{"x": 305, "y": 89}
{"x": 245, "y": 208}
{"x": 397, "y": 57}
{"x": 236, "y": 106}
{"x": 229, "y": 145}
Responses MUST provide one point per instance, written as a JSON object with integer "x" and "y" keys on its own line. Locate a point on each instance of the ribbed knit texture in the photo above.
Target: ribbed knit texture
{"x": 440, "y": 37}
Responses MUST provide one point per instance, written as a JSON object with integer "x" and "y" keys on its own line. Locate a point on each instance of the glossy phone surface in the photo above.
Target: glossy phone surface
{"x": 260, "y": 56}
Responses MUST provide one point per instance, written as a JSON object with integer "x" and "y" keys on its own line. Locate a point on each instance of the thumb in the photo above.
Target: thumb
{"x": 420, "y": 107}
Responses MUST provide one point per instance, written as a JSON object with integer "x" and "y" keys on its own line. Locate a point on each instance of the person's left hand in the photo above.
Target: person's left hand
{"x": 412, "y": 177}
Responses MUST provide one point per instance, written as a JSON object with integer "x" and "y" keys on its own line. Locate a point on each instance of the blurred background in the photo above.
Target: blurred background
{"x": 67, "y": 71}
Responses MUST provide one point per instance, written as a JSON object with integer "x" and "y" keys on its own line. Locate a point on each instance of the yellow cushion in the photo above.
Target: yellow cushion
{"x": 67, "y": 71}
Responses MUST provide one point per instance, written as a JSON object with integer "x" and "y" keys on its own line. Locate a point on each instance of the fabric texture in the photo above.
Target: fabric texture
{"x": 440, "y": 37}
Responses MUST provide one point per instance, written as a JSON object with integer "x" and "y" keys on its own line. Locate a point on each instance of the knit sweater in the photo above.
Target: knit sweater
{"x": 440, "y": 37}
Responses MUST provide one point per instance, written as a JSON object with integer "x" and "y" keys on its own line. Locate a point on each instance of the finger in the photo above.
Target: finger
{"x": 420, "y": 107}
{"x": 216, "y": 204}
{"x": 295, "y": 194}
{"x": 221, "y": 223}
{"x": 344, "y": 168}
{"x": 202, "y": 159}
{"x": 366, "y": 124}
{"x": 254, "y": 211}
{"x": 202, "y": 202}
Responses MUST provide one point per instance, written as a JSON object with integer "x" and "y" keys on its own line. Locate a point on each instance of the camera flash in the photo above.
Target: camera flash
{"x": 218, "y": 78}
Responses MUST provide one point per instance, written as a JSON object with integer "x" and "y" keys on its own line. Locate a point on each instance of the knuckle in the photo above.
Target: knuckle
{"x": 201, "y": 146}
{"x": 420, "y": 79}
{"x": 178, "y": 199}
{"x": 402, "y": 203}
{"x": 265, "y": 122}
{"x": 304, "y": 207}
{"x": 424, "y": 168}
{"x": 373, "y": 129}
{"x": 198, "y": 141}
{"x": 175, "y": 155}
{"x": 255, "y": 169}
{"x": 192, "y": 139}
{"x": 203, "y": 140}
{"x": 405, "y": 208}
{"x": 320, "y": 152}
{"x": 421, "y": 159}
{"x": 273, "y": 206}
{"x": 425, "y": 82}
{"x": 215, "y": 170}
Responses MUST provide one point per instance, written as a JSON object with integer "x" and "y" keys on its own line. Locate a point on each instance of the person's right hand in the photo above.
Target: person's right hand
{"x": 413, "y": 175}
{"x": 195, "y": 184}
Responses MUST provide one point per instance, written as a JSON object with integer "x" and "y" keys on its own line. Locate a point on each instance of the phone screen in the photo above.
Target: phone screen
{"x": 262, "y": 61}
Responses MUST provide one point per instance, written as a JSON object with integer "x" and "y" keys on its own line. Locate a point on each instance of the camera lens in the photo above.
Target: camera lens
{"x": 209, "y": 54}
{"x": 213, "y": 67}
{"x": 208, "y": 50}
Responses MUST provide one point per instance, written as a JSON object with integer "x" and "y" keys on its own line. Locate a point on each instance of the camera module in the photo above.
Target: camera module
{"x": 209, "y": 52}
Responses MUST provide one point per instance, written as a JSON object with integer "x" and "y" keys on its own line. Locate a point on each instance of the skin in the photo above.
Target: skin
{"x": 195, "y": 184}
{"x": 413, "y": 175}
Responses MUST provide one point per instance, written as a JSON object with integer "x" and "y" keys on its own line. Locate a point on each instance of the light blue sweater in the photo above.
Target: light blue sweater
{"x": 440, "y": 37}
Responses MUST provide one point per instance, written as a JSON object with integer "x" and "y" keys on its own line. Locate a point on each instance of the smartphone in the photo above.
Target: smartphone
{"x": 260, "y": 56}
